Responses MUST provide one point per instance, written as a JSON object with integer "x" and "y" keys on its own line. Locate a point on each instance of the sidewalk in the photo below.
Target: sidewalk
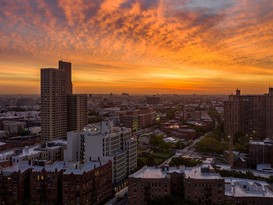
{"x": 118, "y": 194}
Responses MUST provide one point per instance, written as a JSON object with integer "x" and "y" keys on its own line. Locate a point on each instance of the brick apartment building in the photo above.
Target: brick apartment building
{"x": 204, "y": 187}
{"x": 14, "y": 187}
{"x": 59, "y": 183}
{"x": 260, "y": 152}
{"x": 249, "y": 114}
{"x": 199, "y": 184}
{"x": 149, "y": 183}
{"x": 139, "y": 119}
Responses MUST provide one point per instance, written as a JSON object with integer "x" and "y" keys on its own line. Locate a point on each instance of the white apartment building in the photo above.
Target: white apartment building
{"x": 103, "y": 141}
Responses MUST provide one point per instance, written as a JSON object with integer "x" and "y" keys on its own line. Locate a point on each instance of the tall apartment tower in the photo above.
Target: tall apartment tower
{"x": 61, "y": 111}
{"x": 249, "y": 114}
{"x": 66, "y": 66}
{"x": 77, "y": 117}
{"x": 53, "y": 104}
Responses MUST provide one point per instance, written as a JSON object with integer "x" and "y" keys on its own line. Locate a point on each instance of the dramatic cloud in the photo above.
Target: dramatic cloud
{"x": 139, "y": 46}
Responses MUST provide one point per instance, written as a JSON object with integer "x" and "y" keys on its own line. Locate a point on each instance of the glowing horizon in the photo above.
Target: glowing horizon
{"x": 139, "y": 46}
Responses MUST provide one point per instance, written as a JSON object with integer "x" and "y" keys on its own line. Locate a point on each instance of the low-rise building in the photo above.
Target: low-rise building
{"x": 260, "y": 152}
{"x": 245, "y": 191}
{"x": 91, "y": 185}
{"x": 3, "y": 134}
{"x": 58, "y": 183}
{"x": 203, "y": 186}
{"x": 14, "y": 185}
{"x": 139, "y": 119}
{"x": 149, "y": 183}
{"x": 13, "y": 127}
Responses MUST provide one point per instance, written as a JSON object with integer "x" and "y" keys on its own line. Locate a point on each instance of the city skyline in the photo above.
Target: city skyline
{"x": 138, "y": 46}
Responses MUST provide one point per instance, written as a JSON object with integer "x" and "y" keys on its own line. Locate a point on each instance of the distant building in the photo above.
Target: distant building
{"x": 77, "y": 113}
{"x": 13, "y": 127}
{"x": 50, "y": 151}
{"x": 192, "y": 115}
{"x": 103, "y": 141}
{"x": 66, "y": 66}
{"x": 139, "y": 119}
{"x": 178, "y": 131}
{"x": 153, "y": 100}
{"x": 149, "y": 183}
{"x": 260, "y": 152}
{"x": 249, "y": 114}
{"x": 186, "y": 134}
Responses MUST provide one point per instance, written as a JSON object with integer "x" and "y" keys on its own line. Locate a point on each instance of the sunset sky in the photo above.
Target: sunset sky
{"x": 139, "y": 46}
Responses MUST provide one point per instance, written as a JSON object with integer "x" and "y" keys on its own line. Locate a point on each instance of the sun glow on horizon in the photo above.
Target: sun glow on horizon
{"x": 139, "y": 46}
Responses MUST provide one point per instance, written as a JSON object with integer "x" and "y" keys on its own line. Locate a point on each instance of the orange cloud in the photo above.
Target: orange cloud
{"x": 140, "y": 46}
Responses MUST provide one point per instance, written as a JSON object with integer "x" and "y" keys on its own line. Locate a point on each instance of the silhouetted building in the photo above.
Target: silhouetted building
{"x": 77, "y": 113}
{"x": 53, "y": 104}
{"x": 153, "y": 100}
{"x": 66, "y": 66}
{"x": 61, "y": 111}
{"x": 249, "y": 114}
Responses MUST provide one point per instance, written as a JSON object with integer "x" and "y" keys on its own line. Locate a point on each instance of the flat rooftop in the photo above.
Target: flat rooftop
{"x": 69, "y": 167}
{"x": 236, "y": 187}
{"x": 156, "y": 173}
{"x": 197, "y": 173}
{"x": 266, "y": 142}
{"x": 2, "y": 143}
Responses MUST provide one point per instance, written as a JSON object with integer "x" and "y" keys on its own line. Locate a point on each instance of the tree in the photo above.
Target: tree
{"x": 176, "y": 161}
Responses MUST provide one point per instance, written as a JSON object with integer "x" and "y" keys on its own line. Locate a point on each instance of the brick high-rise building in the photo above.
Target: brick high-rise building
{"x": 53, "y": 104}
{"x": 77, "y": 113}
{"x": 66, "y": 66}
{"x": 249, "y": 114}
{"x": 61, "y": 111}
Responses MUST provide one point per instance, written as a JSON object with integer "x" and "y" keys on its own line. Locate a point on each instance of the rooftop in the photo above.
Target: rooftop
{"x": 247, "y": 188}
{"x": 156, "y": 173}
{"x": 266, "y": 142}
{"x": 76, "y": 167}
{"x": 2, "y": 143}
{"x": 201, "y": 172}
{"x": 27, "y": 151}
